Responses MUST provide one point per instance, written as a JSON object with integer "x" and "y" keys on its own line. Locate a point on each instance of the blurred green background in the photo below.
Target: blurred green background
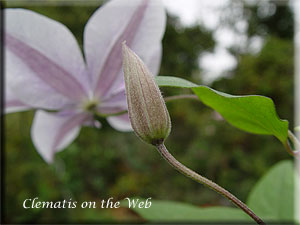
{"x": 106, "y": 163}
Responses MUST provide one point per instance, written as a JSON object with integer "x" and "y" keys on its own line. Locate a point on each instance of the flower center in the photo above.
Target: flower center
{"x": 91, "y": 106}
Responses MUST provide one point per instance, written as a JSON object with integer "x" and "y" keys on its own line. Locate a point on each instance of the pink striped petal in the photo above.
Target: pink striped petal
{"x": 52, "y": 132}
{"x": 116, "y": 102}
{"x": 113, "y": 104}
{"x": 15, "y": 106}
{"x": 44, "y": 65}
{"x": 153, "y": 63}
{"x": 140, "y": 22}
{"x": 120, "y": 123}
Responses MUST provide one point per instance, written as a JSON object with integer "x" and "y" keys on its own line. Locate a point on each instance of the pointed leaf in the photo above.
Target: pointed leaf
{"x": 252, "y": 113}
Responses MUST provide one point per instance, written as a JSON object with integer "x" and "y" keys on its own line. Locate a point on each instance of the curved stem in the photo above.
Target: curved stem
{"x": 296, "y": 143}
{"x": 177, "y": 97}
{"x": 294, "y": 139}
{"x": 289, "y": 148}
{"x": 197, "y": 177}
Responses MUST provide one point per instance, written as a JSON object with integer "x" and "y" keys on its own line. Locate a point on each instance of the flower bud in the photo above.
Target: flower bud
{"x": 147, "y": 110}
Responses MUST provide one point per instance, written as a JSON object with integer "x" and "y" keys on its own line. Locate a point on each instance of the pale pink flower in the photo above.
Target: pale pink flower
{"x": 45, "y": 69}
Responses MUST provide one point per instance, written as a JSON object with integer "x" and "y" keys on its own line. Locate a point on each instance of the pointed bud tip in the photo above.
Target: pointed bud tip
{"x": 124, "y": 45}
{"x": 125, "y": 51}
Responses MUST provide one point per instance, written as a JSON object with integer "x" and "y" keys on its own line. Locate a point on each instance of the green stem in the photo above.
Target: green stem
{"x": 197, "y": 177}
{"x": 294, "y": 139}
{"x": 296, "y": 143}
{"x": 289, "y": 149}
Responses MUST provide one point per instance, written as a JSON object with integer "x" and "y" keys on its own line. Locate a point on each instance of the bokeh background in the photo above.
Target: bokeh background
{"x": 105, "y": 163}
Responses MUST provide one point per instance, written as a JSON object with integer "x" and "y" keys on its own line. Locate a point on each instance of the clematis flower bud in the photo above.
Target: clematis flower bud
{"x": 148, "y": 113}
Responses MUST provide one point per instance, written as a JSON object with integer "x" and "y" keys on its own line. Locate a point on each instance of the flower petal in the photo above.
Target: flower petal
{"x": 13, "y": 104}
{"x": 44, "y": 65}
{"x": 121, "y": 123}
{"x": 154, "y": 60}
{"x": 113, "y": 104}
{"x": 140, "y": 23}
{"x": 153, "y": 63}
{"x": 52, "y": 132}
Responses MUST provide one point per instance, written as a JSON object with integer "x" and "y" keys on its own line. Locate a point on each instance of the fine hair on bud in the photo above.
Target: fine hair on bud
{"x": 147, "y": 110}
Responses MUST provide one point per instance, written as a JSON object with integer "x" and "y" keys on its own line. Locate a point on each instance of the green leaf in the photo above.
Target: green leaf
{"x": 255, "y": 114}
{"x": 168, "y": 211}
{"x": 297, "y": 128}
{"x": 252, "y": 113}
{"x": 167, "y": 81}
{"x": 272, "y": 198}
